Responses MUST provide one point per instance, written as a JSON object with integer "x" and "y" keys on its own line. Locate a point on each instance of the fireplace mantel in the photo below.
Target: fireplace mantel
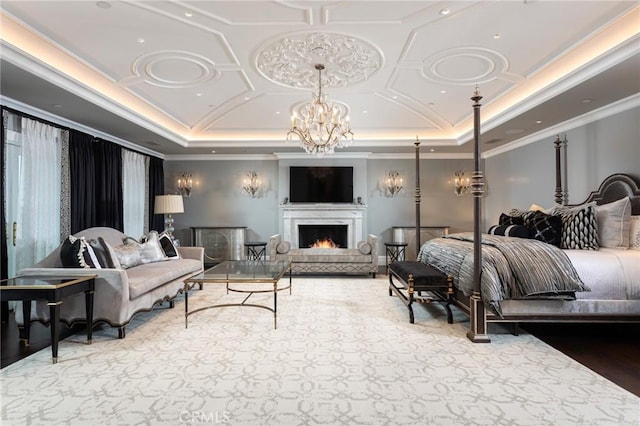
{"x": 351, "y": 215}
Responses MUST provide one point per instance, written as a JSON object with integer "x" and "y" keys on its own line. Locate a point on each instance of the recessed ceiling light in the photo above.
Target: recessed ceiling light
{"x": 586, "y": 101}
{"x": 140, "y": 40}
{"x": 103, "y": 5}
{"x": 277, "y": 112}
{"x": 56, "y": 106}
{"x": 445, "y": 11}
{"x": 432, "y": 150}
{"x": 246, "y": 98}
{"x": 497, "y": 35}
{"x": 188, "y": 14}
{"x": 538, "y": 121}
{"x": 213, "y": 152}
{"x": 198, "y": 94}
{"x": 443, "y": 91}
{"x": 365, "y": 111}
{"x": 394, "y": 97}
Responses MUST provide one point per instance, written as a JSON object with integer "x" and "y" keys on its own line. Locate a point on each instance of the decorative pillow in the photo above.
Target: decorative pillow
{"x": 128, "y": 255}
{"x": 579, "y": 227}
{"x": 283, "y": 247}
{"x": 169, "y": 249}
{"x": 72, "y": 252}
{"x": 634, "y": 232}
{"x": 506, "y": 219}
{"x": 519, "y": 231}
{"x": 149, "y": 247}
{"x": 535, "y": 207}
{"x": 544, "y": 227}
{"x": 364, "y": 247}
{"x": 613, "y": 223}
{"x": 97, "y": 254}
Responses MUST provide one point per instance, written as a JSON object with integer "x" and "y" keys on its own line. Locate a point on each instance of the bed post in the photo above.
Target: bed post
{"x": 417, "y": 195}
{"x": 558, "y": 193}
{"x": 565, "y": 189}
{"x": 478, "y": 329}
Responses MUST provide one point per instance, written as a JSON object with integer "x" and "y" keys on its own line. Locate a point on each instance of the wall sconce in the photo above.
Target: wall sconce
{"x": 185, "y": 183}
{"x": 461, "y": 184}
{"x": 392, "y": 184}
{"x": 251, "y": 184}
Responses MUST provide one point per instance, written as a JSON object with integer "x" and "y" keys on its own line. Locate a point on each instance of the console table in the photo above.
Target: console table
{"x": 220, "y": 242}
{"x": 407, "y": 234}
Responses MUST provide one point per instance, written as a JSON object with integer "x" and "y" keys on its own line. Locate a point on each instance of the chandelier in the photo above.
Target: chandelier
{"x": 323, "y": 126}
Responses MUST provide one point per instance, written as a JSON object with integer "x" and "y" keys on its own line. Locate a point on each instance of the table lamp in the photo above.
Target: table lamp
{"x": 167, "y": 205}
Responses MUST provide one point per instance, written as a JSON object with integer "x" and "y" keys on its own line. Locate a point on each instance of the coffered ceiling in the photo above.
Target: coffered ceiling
{"x": 184, "y": 78}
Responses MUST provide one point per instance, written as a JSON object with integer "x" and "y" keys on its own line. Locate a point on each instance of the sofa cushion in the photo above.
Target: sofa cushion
{"x": 146, "y": 277}
{"x": 283, "y": 247}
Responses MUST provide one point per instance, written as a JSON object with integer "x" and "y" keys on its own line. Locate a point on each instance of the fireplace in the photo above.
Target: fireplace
{"x": 334, "y": 236}
{"x": 349, "y": 215}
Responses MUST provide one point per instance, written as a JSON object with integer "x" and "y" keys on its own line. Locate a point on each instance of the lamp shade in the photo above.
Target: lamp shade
{"x": 168, "y": 204}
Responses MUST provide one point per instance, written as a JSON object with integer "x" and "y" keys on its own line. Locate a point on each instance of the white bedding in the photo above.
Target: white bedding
{"x": 612, "y": 274}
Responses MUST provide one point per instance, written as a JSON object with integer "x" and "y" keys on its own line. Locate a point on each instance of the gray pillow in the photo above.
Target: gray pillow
{"x": 149, "y": 247}
{"x": 283, "y": 247}
{"x": 128, "y": 255}
{"x": 364, "y": 247}
{"x": 614, "y": 220}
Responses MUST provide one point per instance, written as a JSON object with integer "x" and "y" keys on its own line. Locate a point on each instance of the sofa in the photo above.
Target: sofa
{"x": 120, "y": 292}
{"x": 360, "y": 260}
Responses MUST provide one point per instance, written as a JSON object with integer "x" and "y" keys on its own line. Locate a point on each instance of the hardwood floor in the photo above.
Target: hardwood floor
{"x": 611, "y": 350}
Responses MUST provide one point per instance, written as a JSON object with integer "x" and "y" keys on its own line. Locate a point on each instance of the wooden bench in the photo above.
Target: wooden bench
{"x": 417, "y": 277}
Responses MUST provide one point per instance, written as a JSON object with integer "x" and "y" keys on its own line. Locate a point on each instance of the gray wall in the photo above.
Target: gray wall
{"x": 515, "y": 179}
{"x": 526, "y": 175}
{"x": 218, "y": 199}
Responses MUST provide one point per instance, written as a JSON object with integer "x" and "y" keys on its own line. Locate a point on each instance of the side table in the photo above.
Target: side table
{"x": 53, "y": 290}
{"x": 256, "y": 250}
{"x": 394, "y": 252}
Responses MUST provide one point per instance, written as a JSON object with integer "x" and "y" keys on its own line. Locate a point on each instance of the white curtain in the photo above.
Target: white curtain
{"x": 134, "y": 172}
{"x": 38, "y": 230}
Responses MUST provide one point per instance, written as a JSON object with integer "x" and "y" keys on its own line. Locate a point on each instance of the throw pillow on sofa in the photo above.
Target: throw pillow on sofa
{"x": 149, "y": 247}
{"x": 128, "y": 255}
{"x": 168, "y": 247}
{"x": 80, "y": 253}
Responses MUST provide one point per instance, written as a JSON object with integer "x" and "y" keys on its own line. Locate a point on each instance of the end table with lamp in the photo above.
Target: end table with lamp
{"x": 168, "y": 205}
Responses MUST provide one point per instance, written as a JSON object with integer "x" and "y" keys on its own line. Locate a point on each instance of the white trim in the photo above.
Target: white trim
{"x": 63, "y": 122}
{"x": 626, "y": 104}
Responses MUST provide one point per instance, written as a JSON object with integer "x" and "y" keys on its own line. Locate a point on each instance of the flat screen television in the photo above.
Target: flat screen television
{"x": 321, "y": 184}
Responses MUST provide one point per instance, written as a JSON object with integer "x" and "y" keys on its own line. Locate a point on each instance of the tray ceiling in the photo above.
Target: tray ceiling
{"x": 191, "y": 77}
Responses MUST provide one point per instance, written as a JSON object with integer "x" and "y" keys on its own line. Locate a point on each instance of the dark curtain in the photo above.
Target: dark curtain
{"x": 4, "y": 263}
{"x": 108, "y": 166}
{"x": 82, "y": 172}
{"x": 156, "y": 187}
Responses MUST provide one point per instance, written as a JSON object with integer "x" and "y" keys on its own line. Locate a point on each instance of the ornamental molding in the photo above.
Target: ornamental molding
{"x": 290, "y": 60}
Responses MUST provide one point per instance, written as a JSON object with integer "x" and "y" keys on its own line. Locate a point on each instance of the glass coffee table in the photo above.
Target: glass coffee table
{"x": 234, "y": 273}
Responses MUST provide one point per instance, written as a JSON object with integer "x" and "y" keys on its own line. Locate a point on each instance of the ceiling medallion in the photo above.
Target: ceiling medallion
{"x": 173, "y": 69}
{"x": 290, "y": 61}
{"x": 465, "y": 66}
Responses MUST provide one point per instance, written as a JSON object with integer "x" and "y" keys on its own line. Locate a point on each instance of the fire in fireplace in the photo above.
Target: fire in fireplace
{"x": 322, "y": 236}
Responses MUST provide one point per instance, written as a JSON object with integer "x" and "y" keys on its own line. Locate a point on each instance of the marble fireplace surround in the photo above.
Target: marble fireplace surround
{"x": 351, "y": 215}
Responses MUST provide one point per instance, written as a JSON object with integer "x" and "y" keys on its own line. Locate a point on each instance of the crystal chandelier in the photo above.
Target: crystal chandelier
{"x": 323, "y": 126}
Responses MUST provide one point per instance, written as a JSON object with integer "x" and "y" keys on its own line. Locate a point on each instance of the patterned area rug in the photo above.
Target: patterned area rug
{"x": 344, "y": 353}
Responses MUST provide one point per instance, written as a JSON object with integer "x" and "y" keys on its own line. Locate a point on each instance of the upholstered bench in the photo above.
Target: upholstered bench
{"x": 417, "y": 277}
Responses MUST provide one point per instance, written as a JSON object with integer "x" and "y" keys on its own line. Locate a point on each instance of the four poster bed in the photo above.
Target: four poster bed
{"x": 575, "y": 263}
